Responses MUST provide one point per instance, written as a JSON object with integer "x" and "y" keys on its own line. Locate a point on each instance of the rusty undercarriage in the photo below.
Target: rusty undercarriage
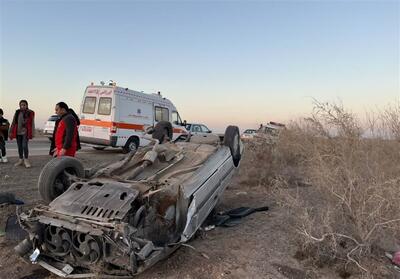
{"x": 122, "y": 218}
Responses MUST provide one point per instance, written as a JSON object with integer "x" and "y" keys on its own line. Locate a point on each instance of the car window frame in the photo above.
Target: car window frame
{"x": 53, "y": 118}
{"x": 178, "y": 118}
{"x": 206, "y": 128}
{"x": 194, "y": 127}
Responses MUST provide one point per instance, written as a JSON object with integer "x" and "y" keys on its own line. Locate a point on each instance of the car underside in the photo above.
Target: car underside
{"x": 121, "y": 218}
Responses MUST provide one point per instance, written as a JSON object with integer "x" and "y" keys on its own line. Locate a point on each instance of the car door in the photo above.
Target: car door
{"x": 103, "y": 116}
{"x": 196, "y": 129}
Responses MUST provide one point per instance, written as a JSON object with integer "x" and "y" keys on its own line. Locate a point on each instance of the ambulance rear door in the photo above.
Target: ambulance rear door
{"x": 88, "y": 110}
{"x": 104, "y": 115}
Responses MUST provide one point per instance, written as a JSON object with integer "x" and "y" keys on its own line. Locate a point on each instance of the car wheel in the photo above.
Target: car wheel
{"x": 53, "y": 181}
{"x": 162, "y": 130}
{"x": 131, "y": 145}
{"x": 99, "y": 147}
{"x": 232, "y": 140}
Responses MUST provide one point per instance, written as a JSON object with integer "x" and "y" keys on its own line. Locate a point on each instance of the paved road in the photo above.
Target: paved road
{"x": 37, "y": 146}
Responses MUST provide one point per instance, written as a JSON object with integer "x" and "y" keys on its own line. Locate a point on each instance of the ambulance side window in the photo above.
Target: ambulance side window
{"x": 162, "y": 114}
{"x": 104, "y": 106}
{"x": 89, "y": 105}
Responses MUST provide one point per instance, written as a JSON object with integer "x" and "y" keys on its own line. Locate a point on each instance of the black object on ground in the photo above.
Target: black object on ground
{"x": 9, "y": 198}
{"x": 244, "y": 211}
{"x": 14, "y": 232}
{"x": 232, "y": 217}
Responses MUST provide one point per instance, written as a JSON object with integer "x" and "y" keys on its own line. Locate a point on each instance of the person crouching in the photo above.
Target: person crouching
{"x": 66, "y": 139}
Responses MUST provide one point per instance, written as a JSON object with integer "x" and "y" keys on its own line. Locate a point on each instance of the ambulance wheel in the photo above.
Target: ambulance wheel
{"x": 232, "y": 140}
{"x": 53, "y": 181}
{"x": 131, "y": 145}
{"x": 162, "y": 130}
{"x": 99, "y": 147}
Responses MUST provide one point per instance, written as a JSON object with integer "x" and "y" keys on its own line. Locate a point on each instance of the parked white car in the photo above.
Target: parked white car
{"x": 270, "y": 132}
{"x": 248, "y": 134}
{"x": 197, "y": 129}
{"x": 49, "y": 126}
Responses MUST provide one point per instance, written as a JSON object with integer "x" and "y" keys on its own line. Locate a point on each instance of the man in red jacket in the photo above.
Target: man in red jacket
{"x": 66, "y": 134}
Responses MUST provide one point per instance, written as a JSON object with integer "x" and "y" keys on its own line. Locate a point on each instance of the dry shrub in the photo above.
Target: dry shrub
{"x": 257, "y": 167}
{"x": 352, "y": 203}
{"x": 385, "y": 124}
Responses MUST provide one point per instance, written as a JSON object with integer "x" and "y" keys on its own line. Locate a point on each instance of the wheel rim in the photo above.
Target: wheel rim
{"x": 132, "y": 146}
{"x": 61, "y": 183}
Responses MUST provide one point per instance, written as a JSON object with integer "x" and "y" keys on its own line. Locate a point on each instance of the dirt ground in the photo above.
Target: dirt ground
{"x": 262, "y": 246}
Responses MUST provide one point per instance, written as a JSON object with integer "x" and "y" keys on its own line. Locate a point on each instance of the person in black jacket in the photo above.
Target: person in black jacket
{"x": 4, "y": 126}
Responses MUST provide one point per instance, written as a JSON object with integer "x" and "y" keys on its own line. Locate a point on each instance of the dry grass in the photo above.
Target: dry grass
{"x": 351, "y": 204}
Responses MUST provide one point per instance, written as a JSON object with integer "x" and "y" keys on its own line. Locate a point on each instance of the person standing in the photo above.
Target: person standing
{"x": 23, "y": 129}
{"x": 66, "y": 137}
{"x": 4, "y": 126}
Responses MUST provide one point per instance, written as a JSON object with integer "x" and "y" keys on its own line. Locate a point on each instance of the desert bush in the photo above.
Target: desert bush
{"x": 384, "y": 124}
{"x": 257, "y": 169}
{"x": 353, "y": 199}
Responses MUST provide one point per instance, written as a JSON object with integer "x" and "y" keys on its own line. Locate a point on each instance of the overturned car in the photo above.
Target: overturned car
{"x": 120, "y": 219}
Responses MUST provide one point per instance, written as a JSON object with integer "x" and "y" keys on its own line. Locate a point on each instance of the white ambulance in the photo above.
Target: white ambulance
{"x": 115, "y": 116}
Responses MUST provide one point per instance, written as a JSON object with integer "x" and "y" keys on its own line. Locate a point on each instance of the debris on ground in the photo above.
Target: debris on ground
{"x": 231, "y": 217}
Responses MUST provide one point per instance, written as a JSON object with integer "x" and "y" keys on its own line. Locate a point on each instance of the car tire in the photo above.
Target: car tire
{"x": 132, "y": 144}
{"x": 162, "y": 130}
{"x": 232, "y": 140}
{"x": 99, "y": 147}
{"x": 52, "y": 181}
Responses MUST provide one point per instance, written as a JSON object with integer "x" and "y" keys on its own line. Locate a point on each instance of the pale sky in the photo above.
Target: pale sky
{"x": 220, "y": 62}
